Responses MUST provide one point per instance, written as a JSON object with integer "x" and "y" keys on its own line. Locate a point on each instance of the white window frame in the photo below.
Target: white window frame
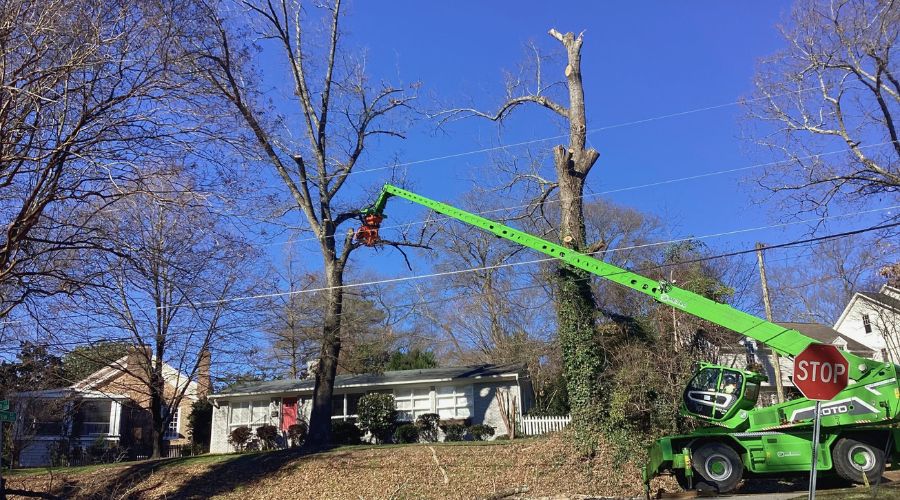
{"x": 343, "y": 415}
{"x": 460, "y": 393}
{"x": 172, "y": 431}
{"x": 251, "y": 405}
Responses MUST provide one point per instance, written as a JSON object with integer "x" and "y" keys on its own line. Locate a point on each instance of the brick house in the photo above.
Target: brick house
{"x": 107, "y": 410}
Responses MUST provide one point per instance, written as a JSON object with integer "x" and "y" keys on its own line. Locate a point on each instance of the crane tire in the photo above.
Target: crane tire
{"x": 719, "y": 466}
{"x": 852, "y": 458}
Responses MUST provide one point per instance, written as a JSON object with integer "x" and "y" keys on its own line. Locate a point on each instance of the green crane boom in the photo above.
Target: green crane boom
{"x": 762, "y": 440}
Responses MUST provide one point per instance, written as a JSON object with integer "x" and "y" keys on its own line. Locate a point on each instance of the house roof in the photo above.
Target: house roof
{"x": 827, "y": 335}
{"x": 388, "y": 378}
{"x": 882, "y": 298}
{"x": 120, "y": 366}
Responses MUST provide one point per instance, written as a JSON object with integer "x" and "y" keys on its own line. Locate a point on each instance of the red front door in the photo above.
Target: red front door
{"x": 288, "y": 413}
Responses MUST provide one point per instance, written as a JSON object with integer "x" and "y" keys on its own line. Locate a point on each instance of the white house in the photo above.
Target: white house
{"x": 873, "y": 319}
{"x": 467, "y": 392}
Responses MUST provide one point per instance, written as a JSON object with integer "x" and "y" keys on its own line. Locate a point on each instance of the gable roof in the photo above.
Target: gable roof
{"x": 883, "y": 299}
{"x": 388, "y": 378}
{"x": 879, "y": 298}
{"x": 118, "y": 367}
{"x": 827, "y": 335}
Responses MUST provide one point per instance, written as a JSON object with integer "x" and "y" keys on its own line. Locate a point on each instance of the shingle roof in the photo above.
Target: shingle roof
{"x": 371, "y": 379}
{"x": 883, "y": 298}
{"x": 827, "y": 335}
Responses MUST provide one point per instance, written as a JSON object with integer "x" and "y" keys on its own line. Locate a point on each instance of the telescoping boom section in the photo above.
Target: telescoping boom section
{"x": 857, "y": 425}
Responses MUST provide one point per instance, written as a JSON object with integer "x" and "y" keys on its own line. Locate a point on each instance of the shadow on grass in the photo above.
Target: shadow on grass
{"x": 241, "y": 470}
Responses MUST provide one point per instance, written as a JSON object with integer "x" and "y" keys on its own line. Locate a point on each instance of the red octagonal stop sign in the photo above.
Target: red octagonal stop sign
{"x": 820, "y": 372}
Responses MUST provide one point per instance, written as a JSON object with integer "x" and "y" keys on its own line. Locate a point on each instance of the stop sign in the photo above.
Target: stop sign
{"x": 820, "y": 372}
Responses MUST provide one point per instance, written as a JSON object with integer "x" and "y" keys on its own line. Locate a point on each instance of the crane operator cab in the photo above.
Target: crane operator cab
{"x": 717, "y": 392}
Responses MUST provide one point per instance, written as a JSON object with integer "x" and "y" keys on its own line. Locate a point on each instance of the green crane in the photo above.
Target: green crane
{"x": 859, "y": 432}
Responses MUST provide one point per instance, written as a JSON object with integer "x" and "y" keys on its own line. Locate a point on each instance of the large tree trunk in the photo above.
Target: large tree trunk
{"x": 583, "y": 355}
{"x": 320, "y": 418}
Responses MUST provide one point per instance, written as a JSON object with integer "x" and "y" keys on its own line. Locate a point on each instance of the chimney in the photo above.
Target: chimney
{"x": 138, "y": 362}
{"x": 204, "y": 380}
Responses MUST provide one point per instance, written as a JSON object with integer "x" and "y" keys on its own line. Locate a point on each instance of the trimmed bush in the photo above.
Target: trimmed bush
{"x": 268, "y": 436}
{"x": 428, "y": 426}
{"x": 377, "y": 415}
{"x": 406, "y": 433}
{"x": 239, "y": 437}
{"x": 345, "y": 432}
{"x": 297, "y": 432}
{"x": 481, "y": 432}
{"x": 454, "y": 431}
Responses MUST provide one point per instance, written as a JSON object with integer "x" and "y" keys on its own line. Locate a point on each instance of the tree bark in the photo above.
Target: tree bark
{"x": 320, "y": 417}
{"x": 583, "y": 355}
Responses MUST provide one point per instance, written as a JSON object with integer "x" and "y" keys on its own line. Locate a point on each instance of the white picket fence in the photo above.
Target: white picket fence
{"x": 534, "y": 426}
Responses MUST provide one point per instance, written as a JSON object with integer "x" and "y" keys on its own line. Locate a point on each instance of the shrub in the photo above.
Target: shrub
{"x": 481, "y": 432}
{"x": 501, "y": 437}
{"x": 428, "y": 426}
{"x": 239, "y": 437}
{"x": 200, "y": 423}
{"x": 377, "y": 415}
{"x": 297, "y": 432}
{"x": 406, "y": 433}
{"x": 344, "y": 432}
{"x": 453, "y": 431}
{"x": 268, "y": 435}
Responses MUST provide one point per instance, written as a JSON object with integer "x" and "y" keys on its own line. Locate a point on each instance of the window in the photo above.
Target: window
{"x": 249, "y": 413}
{"x": 172, "y": 430}
{"x": 93, "y": 418}
{"x": 345, "y": 406}
{"x": 46, "y": 416}
{"x": 413, "y": 402}
{"x": 453, "y": 402}
{"x": 867, "y": 324}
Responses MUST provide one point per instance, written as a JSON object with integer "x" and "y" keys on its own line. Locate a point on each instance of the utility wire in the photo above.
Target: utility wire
{"x": 804, "y": 242}
{"x": 600, "y": 193}
{"x": 461, "y": 271}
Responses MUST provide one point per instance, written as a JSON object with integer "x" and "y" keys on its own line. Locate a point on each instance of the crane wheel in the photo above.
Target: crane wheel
{"x": 854, "y": 458}
{"x": 719, "y": 466}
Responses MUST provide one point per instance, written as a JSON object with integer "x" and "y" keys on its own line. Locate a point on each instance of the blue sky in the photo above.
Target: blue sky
{"x": 640, "y": 60}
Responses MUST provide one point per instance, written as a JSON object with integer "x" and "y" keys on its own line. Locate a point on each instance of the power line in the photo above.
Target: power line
{"x": 804, "y": 242}
{"x": 609, "y": 191}
{"x": 461, "y": 271}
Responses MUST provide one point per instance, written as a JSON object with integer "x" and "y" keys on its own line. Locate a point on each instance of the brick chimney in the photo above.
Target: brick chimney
{"x": 139, "y": 362}
{"x": 204, "y": 380}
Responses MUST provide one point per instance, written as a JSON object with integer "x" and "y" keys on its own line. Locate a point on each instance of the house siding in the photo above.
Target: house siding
{"x": 482, "y": 404}
{"x": 851, "y": 325}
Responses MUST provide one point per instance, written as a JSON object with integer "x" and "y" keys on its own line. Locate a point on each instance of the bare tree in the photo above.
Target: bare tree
{"x": 169, "y": 290}
{"x": 82, "y": 86}
{"x": 338, "y": 112}
{"x": 835, "y": 270}
{"x": 834, "y": 87}
{"x": 575, "y": 304}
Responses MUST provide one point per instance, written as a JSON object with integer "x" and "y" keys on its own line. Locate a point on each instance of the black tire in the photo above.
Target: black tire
{"x": 719, "y": 466}
{"x": 683, "y": 480}
{"x": 851, "y": 458}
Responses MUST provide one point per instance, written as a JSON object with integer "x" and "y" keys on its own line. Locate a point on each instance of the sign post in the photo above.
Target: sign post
{"x": 7, "y": 416}
{"x": 820, "y": 373}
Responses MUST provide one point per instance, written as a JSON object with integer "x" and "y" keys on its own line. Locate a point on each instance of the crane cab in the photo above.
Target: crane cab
{"x": 718, "y": 393}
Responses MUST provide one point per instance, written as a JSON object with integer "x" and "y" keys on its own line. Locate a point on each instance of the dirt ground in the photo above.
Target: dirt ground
{"x": 537, "y": 467}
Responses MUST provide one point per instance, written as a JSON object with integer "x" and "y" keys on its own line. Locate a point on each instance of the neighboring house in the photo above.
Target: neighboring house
{"x": 755, "y": 353}
{"x": 873, "y": 319}
{"x": 109, "y": 407}
{"x": 468, "y": 392}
